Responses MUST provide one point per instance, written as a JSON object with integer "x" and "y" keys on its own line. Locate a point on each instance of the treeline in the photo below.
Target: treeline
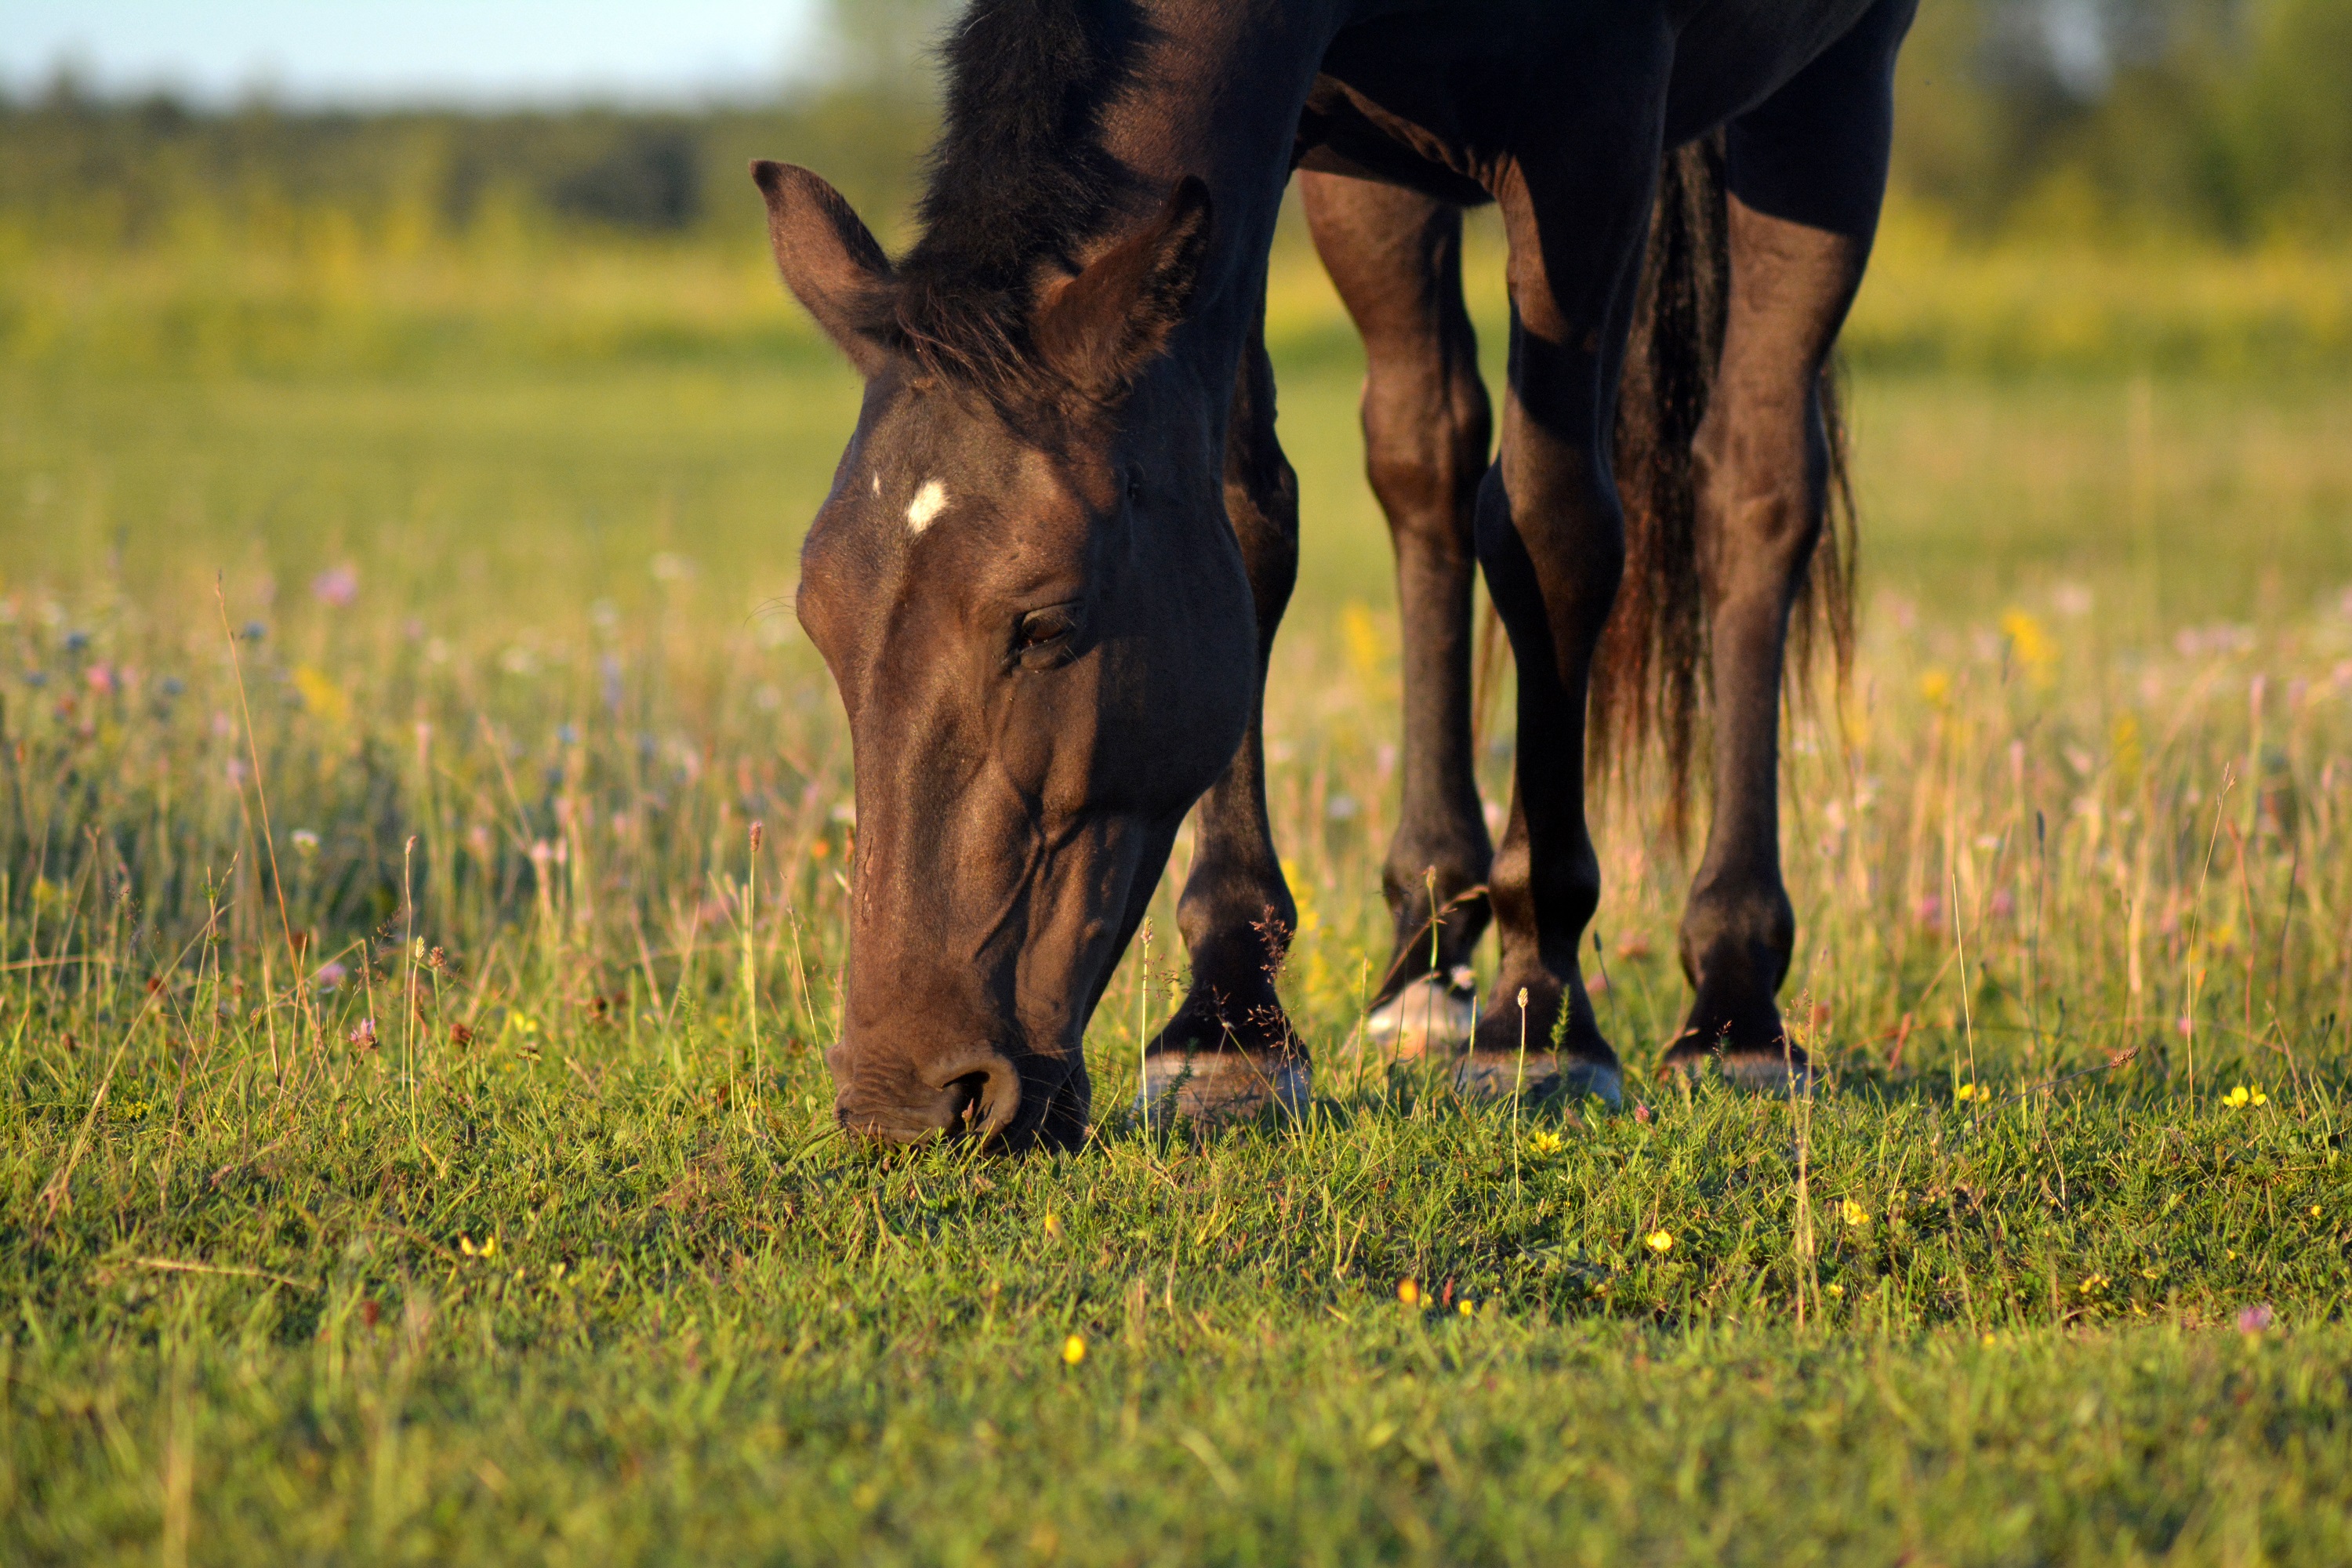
{"x": 77, "y": 171}
{"x": 2221, "y": 121}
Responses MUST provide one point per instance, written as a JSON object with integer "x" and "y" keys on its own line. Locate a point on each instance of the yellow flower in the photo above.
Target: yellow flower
{"x": 321, "y": 696}
{"x": 1074, "y": 1350}
{"x": 1409, "y": 1292}
{"x": 1659, "y": 1241}
{"x": 1834, "y": 1289}
{"x": 488, "y": 1247}
{"x": 1936, "y": 686}
{"x": 2093, "y": 1284}
{"x": 1052, "y": 1227}
{"x": 1854, "y": 1214}
{"x": 1546, "y": 1143}
{"x": 1469, "y": 1308}
{"x": 2037, "y": 656}
{"x": 2242, "y": 1096}
{"x": 1971, "y": 1091}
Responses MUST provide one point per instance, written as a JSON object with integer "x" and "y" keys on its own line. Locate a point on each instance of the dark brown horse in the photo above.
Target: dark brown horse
{"x": 1063, "y": 534}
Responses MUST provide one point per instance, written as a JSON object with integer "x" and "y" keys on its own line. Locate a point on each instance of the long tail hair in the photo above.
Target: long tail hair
{"x": 1650, "y": 674}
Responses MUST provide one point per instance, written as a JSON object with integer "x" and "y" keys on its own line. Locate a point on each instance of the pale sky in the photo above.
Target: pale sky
{"x": 445, "y": 51}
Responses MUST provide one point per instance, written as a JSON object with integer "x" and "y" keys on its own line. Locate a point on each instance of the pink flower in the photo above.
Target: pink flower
{"x": 337, "y": 586}
{"x": 2255, "y": 1318}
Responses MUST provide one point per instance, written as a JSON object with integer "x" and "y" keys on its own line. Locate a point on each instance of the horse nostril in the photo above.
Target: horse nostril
{"x": 967, "y": 1099}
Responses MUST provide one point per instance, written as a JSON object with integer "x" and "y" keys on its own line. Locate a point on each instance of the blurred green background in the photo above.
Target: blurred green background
{"x": 2144, "y": 183}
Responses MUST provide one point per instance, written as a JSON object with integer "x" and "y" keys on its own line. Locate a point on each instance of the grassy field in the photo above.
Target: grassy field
{"x": 475, "y": 1204}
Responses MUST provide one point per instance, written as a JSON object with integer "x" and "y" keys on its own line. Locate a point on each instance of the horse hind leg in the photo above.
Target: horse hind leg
{"x": 1813, "y": 162}
{"x": 1230, "y": 1050}
{"x": 1395, "y": 257}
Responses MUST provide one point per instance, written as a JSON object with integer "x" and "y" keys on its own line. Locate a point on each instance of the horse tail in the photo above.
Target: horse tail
{"x": 1650, "y": 672}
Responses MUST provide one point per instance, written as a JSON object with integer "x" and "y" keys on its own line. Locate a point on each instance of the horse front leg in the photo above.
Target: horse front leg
{"x": 1230, "y": 1049}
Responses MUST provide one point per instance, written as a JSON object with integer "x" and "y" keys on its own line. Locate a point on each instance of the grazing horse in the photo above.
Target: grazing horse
{"x": 1057, "y": 549}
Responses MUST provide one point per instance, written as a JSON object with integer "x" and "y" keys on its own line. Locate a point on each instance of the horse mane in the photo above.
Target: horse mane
{"x": 1018, "y": 181}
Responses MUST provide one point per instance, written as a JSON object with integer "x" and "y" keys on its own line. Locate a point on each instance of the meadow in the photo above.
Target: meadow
{"x": 416, "y": 1146}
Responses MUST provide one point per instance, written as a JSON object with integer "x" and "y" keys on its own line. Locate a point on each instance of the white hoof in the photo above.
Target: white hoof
{"x": 1432, "y": 1014}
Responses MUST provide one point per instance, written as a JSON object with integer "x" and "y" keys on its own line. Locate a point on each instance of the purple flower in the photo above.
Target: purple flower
{"x": 331, "y": 975}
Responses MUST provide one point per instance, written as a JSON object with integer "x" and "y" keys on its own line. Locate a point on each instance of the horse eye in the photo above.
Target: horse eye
{"x": 1041, "y": 637}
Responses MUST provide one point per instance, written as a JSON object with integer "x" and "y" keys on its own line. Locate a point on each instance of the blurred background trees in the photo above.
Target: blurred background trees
{"x": 2223, "y": 122}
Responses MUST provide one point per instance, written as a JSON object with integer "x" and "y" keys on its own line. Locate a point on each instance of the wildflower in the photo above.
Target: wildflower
{"x": 337, "y": 586}
{"x": 1936, "y": 686}
{"x": 1074, "y": 1350}
{"x": 1971, "y": 1091}
{"x": 1659, "y": 1241}
{"x": 1854, "y": 1214}
{"x": 460, "y": 1035}
{"x": 1543, "y": 1142}
{"x": 1835, "y": 1290}
{"x": 488, "y": 1249}
{"x": 1641, "y": 1114}
{"x": 306, "y": 842}
{"x": 2242, "y": 1097}
{"x": 2255, "y": 1318}
{"x": 1409, "y": 1292}
{"x": 2093, "y": 1284}
{"x": 1052, "y": 1227}
{"x": 363, "y": 1035}
{"x": 1469, "y": 1308}
{"x": 330, "y": 975}
{"x": 2036, "y": 654}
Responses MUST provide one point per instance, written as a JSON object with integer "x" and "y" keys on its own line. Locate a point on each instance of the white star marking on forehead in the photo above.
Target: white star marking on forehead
{"x": 929, "y": 502}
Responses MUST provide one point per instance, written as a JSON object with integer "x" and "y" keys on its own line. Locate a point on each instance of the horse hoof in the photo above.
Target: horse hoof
{"x": 1538, "y": 1077}
{"x": 1212, "y": 1089}
{"x": 1434, "y": 1014}
{"x": 1758, "y": 1073}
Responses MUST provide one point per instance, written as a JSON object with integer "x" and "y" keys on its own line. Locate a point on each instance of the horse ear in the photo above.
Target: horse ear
{"x": 1100, "y": 328}
{"x": 828, "y": 258}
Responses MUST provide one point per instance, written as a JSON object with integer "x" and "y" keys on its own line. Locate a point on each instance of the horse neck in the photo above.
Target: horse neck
{"x": 1219, "y": 97}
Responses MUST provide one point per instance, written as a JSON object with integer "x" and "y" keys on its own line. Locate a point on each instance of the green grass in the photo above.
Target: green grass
{"x": 2076, "y": 837}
